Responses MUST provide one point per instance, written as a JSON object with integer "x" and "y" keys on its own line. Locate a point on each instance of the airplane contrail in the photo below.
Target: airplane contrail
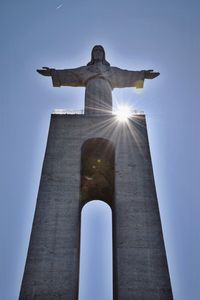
{"x": 59, "y": 6}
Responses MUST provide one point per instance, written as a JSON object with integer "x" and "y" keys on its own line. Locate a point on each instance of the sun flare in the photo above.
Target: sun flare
{"x": 123, "y": 113}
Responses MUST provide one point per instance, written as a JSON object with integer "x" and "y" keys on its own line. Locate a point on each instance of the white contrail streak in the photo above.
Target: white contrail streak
{"x": 59, "y": 6}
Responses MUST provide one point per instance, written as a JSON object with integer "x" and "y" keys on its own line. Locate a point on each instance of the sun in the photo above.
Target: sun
{"x": 123, "y": 113}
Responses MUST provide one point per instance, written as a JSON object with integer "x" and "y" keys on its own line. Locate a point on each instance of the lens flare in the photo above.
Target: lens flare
{"x": 123, "y": 113}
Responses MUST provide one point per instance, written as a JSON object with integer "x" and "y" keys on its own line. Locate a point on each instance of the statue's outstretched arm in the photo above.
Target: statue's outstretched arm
{"x": 125, "y": 78}
{"x": 66, "y": 77}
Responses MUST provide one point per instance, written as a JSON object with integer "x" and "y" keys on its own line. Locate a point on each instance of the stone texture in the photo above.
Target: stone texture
{"x": 139, "y": 259}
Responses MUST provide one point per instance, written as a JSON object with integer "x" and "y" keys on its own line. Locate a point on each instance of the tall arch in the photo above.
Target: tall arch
{"x": 98, "y": 180}
{"x": 96, "y": 253}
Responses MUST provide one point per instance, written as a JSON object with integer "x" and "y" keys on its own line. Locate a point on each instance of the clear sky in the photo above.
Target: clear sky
{"x": 137, "y": 35}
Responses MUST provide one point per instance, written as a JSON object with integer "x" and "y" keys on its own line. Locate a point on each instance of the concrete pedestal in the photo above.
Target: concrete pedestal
{"x": 139, "y": 259}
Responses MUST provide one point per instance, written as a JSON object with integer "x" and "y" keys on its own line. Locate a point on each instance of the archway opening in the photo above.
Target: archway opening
{"x": 96, "y": 261}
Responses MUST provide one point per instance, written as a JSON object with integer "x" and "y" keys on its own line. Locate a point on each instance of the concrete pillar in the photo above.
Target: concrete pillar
{"x": 141, "y": 259}
{"x": 140, "y": 265}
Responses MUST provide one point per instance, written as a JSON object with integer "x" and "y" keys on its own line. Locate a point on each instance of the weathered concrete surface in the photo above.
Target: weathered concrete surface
{"x": 141, "y": 259}
{"x": 140, "y": 266}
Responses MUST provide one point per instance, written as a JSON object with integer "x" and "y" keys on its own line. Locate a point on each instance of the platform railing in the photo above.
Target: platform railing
{"x": 61, "y": 111}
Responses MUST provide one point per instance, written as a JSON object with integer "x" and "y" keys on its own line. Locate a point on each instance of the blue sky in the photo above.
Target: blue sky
{"x": 136, "y": 35}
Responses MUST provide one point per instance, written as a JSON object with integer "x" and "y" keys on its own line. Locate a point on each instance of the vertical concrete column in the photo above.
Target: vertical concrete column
{"x": 141, "y": 259}
{"x": 52, "y": 264}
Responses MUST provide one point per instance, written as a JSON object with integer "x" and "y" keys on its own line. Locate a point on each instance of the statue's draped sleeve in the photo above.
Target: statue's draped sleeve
{"x": 68, "y": 77}
{"x": 123, "y": 78}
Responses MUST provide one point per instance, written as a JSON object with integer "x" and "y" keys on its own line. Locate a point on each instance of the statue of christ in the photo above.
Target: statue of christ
{"x": 99, "y": 79}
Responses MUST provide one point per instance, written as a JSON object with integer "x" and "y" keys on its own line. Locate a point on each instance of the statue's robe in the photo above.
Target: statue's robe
{"x": 99, "y": 80}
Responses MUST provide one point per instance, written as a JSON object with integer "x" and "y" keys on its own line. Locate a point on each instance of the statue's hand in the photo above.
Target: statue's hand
{"x": 45, "y": 71}
{"x": 149, "y": 74}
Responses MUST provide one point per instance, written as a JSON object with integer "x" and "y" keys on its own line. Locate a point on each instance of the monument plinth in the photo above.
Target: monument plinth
{"x": 123, "y": 179}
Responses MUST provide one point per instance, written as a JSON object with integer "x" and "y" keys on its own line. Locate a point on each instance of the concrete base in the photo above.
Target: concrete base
{"x": 139, "y": 259}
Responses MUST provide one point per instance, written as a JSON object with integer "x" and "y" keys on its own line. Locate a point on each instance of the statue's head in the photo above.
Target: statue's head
{"x": 98, "y": 55}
